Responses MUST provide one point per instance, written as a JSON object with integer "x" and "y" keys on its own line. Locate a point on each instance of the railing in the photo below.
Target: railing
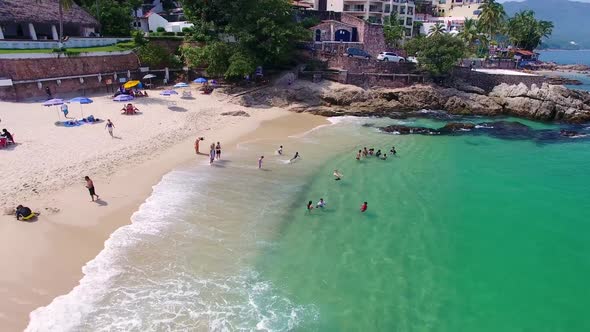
{"x": 70, "y": 43}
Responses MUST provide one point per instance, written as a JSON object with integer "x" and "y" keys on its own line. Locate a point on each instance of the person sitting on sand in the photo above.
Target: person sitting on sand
{"x": 22, "y": 212}
{"x": 337, "y": 175}
{"x": 6, "y": 134}
{"x": 130, "y": 109}
{"x": 296, "y": 156}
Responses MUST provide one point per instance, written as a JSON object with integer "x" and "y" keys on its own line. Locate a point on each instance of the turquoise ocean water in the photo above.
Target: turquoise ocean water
{"x": 463, "y": 233}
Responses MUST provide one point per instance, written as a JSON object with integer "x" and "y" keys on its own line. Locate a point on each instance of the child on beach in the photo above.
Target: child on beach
{"x": 211, "y": 153}
{"x": 218, "y": 151}
{"x": 90, "y": 187}
{"x": 260, "y": 162}
{"x": 110, "y": 127}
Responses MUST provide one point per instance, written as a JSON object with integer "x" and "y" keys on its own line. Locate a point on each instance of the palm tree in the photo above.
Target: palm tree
{"x": 436, "y": 30}
{"x": 492, "y": 17}
{"x": 63, "y": 5}
{"x": 469, "y": 33}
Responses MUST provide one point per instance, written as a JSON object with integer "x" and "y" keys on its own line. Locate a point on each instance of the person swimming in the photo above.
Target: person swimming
{"x": 364, "y": 207}
{"x": 337, "y": 175}
{"x": 358, "y": 155}
{"x": 365, "y": 152}
{"x": 384, "y": 157}
{"x": 321, "y": 203}
{"x": 393, "y": 152}
{"x": 294, "y": 157}
{"x": 371, "y": 151}
{"x": 378, "y": 154}
{"x": 309, "y": 206}
{"x": 280, "y": 150}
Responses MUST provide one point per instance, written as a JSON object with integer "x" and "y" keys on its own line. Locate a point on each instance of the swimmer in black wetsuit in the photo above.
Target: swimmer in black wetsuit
{"x": 294, "y": 157}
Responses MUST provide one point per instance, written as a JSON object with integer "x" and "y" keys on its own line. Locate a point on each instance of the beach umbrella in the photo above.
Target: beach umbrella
{"x": 81, "y": 101}
{"x": 181, "y": 85}
{"x": 54, "y": 102}
{"x": 123, "y": 98}
{"x": 168, "y": 92}
{"x": 149, "y": 76}
{"x": 200, "y": 80}
{"x": 131, "y": 84}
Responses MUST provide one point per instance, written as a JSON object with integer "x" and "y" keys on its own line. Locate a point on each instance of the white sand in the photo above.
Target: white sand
{"x": 45, "y": 171}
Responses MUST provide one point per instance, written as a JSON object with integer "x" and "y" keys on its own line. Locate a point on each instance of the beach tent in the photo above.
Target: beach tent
{"x": 168, "y": 93}
{"x": 81, "y": 101}
{"x": 54, "y": 102}
{"x": 200, "y": 80}
{"x": 123, "y": 98}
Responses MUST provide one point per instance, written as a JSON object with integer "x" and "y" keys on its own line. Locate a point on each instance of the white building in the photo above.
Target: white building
{"x": 373, "y": 11}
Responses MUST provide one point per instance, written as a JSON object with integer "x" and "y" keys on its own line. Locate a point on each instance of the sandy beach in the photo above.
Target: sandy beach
{"x": 45, "y": 171}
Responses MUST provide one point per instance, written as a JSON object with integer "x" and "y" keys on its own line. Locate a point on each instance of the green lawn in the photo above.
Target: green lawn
{"x": 124, "y": 46}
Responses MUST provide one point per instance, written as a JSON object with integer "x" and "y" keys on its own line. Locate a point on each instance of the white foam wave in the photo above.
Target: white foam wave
{"x": 66, "y": 312}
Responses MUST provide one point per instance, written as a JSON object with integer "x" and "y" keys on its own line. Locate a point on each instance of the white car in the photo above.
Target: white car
{"x": 390, "y": 56}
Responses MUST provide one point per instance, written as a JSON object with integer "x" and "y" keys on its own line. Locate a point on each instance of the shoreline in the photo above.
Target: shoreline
{"x": 44, "y": 259}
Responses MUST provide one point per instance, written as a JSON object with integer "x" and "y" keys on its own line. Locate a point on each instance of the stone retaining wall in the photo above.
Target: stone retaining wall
{"x": 489, "y": 81}
{"x": 70, "y": 69}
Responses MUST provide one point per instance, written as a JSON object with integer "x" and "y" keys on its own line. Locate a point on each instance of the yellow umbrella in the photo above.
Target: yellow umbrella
{"x": 130, "y": 84}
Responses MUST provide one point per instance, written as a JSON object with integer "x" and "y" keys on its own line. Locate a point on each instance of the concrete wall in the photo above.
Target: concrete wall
{"x": 367, "y": 80}
{"x": 489, "y": 81}
{"x": 26, "y": 73}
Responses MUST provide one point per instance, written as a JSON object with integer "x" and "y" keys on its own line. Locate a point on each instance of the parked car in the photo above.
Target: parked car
{"x": 412, "y": 59}
{"x": 357, "y": 52}
{"x": 390, "y": 56}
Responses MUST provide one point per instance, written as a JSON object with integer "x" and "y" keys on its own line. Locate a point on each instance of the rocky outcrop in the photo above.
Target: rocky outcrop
{"x": 236, "y": 113}
{"x": 547, "y": 102}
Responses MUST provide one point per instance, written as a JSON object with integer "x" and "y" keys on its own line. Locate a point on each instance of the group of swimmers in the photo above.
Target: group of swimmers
{"x": 321, "y": 204}
{"x": 280, "y": 153}
{"x": 364, "y": 153}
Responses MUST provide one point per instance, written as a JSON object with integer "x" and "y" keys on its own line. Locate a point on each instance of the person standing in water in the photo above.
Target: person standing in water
{"x": 90, "y": 187}
{"x": 218, "y": 151}
{"x": 337, "y": 175}
{"x": 321, "y": 203}
{"x": 393, "y": 152}
{"x": 280, "y": 150}
{"x": 260, "y": 162}
{"x": 365, "y": 152}
{"x": 384, "y": 157}
{"x": 294, "y": 157}
{"x": 364, "y": 207}
{"x": 110, "y": 126}
{"x": 358, "y": 155}
{"x": 309, "y": 206}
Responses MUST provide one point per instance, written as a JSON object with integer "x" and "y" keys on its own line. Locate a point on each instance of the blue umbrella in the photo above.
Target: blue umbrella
{"x": 54, "y": 102}
{"x": 200, "y": 80}
{"x": 181, "y": 85}
{"x": 81, "y": 101}
{"x": 123, "y": 98}
{"x": 168, "y": 92}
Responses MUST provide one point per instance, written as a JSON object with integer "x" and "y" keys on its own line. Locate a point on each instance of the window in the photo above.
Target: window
{"x": 409, "y": 21}
{"x": 394, "y": 9}
{"x": 401, "y": 21}
{"x": 408, "y": 32}
{"x": 402, "y": 10}
{"x": 387, "y": 8}
{"x": 410, "y": 10}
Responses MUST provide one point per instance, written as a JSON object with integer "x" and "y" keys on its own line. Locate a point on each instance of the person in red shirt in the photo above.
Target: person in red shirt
{"x": 364, "y": 207}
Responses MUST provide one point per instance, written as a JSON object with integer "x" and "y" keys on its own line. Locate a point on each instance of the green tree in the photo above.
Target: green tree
{"x": 393, "y": 31}
{"x": 525, "y": 31}
{"x": 437, "y": 29}
{"x": 437, "y": 54}
{"x": 469, "y": 34}
{"x": 261, "y": 32}
{"x": 114, "y": 17}
{"x": 492, "y": 17}
{"x": 156, "y": 56}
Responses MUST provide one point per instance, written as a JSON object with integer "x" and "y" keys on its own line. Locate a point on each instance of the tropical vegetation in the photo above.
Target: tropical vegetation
{"x": 235, "y": 36}
{"x": 436, "y": 53}
{"x": 393, "y": 31}
{"x": 492, "y": 18}
{"x": 524, "y": 31}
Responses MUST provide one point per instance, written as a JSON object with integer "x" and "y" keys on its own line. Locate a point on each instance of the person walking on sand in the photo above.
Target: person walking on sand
{"x": 260, "y": 162}
{"x": 197, "y": 141}
{"x": 218, "y": 151}
{"x": 109, "y": 126}
{"x": 90, "y": 187}
{"x": 211, "y": 153}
